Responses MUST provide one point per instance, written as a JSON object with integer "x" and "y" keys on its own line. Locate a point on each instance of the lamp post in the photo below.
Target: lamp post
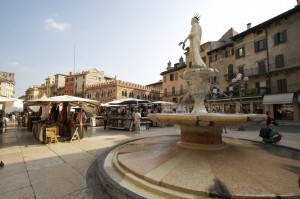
{"x": 240, "y": 84}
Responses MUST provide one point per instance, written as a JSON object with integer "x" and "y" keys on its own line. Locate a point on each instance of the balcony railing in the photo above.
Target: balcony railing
{"x": 250, "y": 92}
{"x": 176, "y": 93}
{"x": 288, "y": 64}
{"x": 254, "y": 70}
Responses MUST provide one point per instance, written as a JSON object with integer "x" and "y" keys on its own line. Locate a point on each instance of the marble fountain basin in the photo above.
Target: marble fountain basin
{"x": 204, "y": 130}
{"x": 208, "y": 119}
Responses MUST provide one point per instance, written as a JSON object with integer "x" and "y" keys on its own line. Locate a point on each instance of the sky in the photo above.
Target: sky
{"x": 130, "y": 39}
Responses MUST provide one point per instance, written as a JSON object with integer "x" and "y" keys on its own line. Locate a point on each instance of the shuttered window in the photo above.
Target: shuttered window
{"x": 260, "y": 45}
{"x": 261, "y": 67}
{"x": 240, "y": 52}
{"x": 282, "y": 86}
{"x": 230, "y": 71}
{"x": 279, "y": 61}
{"x": 280, "y": 37}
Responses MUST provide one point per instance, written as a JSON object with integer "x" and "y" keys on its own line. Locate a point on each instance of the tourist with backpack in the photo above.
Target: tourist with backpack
{"x": 270, "y": 134}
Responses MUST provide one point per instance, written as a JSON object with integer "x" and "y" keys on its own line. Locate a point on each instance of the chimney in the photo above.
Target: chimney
{"x": 248, "y": 26}
{"x": 298, "y": 2}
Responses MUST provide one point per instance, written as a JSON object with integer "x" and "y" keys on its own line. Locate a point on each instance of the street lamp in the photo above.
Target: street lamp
{"x": 240, "y": 84}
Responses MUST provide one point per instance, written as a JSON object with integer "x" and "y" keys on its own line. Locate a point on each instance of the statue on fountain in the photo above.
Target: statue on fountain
{"x": 198, "y": 74}
{"x": 195, "y": 39}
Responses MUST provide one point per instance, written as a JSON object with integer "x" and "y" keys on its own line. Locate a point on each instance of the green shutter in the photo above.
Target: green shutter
{"x": 236, "y": 53}
{"x": 265, "y": 44}
{"x": 256, "y": 47}
{"x": 276, "y": 39}
{"x": 283, "y": 36}
{"x": 278, "y": 86}
{"x": 244, "y": 53}
{"x": 257, "y": 85}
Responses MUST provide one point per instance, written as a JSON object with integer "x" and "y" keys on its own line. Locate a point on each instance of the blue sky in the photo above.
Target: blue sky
{"x": 131, "y": 39}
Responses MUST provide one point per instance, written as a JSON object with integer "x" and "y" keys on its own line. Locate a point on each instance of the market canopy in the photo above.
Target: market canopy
{"x": 76, "y": 101}
{"x": 7, "y": 99}
{"x": 41, "y": 101}
{"x": 129, "y": 101}
{"x": 9, "y": 105}
{"x": 163, "y": 103}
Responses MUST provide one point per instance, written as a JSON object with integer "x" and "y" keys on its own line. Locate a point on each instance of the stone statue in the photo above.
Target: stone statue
{"x": 195, "y": 39}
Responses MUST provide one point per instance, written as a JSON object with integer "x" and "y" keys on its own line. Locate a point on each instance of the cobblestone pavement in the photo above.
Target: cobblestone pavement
{"x": 67, "y": 170}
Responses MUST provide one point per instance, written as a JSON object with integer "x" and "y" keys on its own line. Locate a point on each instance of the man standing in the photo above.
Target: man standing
{"x": 137, "y": 121}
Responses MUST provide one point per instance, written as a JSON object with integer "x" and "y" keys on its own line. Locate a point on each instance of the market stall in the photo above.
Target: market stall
{"x": 56, "y": 113}
{"x": 119, "y": 113}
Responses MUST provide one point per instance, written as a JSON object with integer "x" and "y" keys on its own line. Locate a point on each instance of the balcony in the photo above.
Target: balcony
{"x": 288, "y": 65}
{"x": 249, "y": 92}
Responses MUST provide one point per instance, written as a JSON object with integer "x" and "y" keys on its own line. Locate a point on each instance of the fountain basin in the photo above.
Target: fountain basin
{"x": 204, "y": 130}
{"x": 156, "y": 167}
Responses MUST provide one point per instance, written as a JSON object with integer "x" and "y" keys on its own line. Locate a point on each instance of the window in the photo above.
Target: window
{"x": 280, "y": 37}
{"x": 261, "y": 87}
{"x": 173, "y": 90}
{"x": 109, "y": 93}
{"x": 165, "y": 78}
{"x": 176, "y": 76}
{"x": 166, "y": 92}
{"x": 216, "y": 57}
{"x": 261, "y": 67}
{"x": 124, "y": 93}
{"x": 281, "y": 86}
{"x": 260, "y": 45}
{"x": 229, "y": 52}
{"x": 230, "y": 71}
{"x": 259, "y": 31}
{"x": 279, "y": 61}
{"x": 240, "y": 52}
{"x": 226, "y": 53}
{"x": 241, "y": 70}
{"x": 181, "y": 90}
{"x": 97, "y": 94}
{"x": 172, "y": 77}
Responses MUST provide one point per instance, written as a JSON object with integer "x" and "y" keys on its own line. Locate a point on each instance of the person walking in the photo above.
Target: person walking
{"x": 270, "y": 119}
{"x": 137, "y": 121}
{"x": 105, "y": 118}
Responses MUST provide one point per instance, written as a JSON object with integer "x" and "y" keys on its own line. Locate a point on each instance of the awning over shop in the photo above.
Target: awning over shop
{"x": 286, "y": 98}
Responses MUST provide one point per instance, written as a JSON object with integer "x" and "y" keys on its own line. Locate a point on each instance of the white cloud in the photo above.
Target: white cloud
{"x": 52, "y": 24}
{"x": 13, "y": 63}
{"x": 19, "y": 67}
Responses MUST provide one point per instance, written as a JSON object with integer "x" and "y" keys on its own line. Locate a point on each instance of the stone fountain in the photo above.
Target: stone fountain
{"x": 200, "y": 129}
{"x": 194, "y": 161}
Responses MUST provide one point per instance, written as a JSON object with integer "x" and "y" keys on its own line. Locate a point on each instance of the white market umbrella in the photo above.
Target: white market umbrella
{"x": 163, "y": 103}
{"x": 129, "y": 101}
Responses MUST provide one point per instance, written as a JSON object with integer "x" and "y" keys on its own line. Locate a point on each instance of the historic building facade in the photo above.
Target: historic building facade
{"x": 268, "y": 55}
{"x": 117, "y": 89}
{"x": 83, "y": 79}
{"x": 7, "y": 84}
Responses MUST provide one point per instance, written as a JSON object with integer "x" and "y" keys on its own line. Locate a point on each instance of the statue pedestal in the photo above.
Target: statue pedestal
{"x": 200, "y": 137}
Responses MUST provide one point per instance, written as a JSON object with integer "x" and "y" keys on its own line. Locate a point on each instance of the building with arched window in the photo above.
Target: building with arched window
{"x": 117, "y": 89}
